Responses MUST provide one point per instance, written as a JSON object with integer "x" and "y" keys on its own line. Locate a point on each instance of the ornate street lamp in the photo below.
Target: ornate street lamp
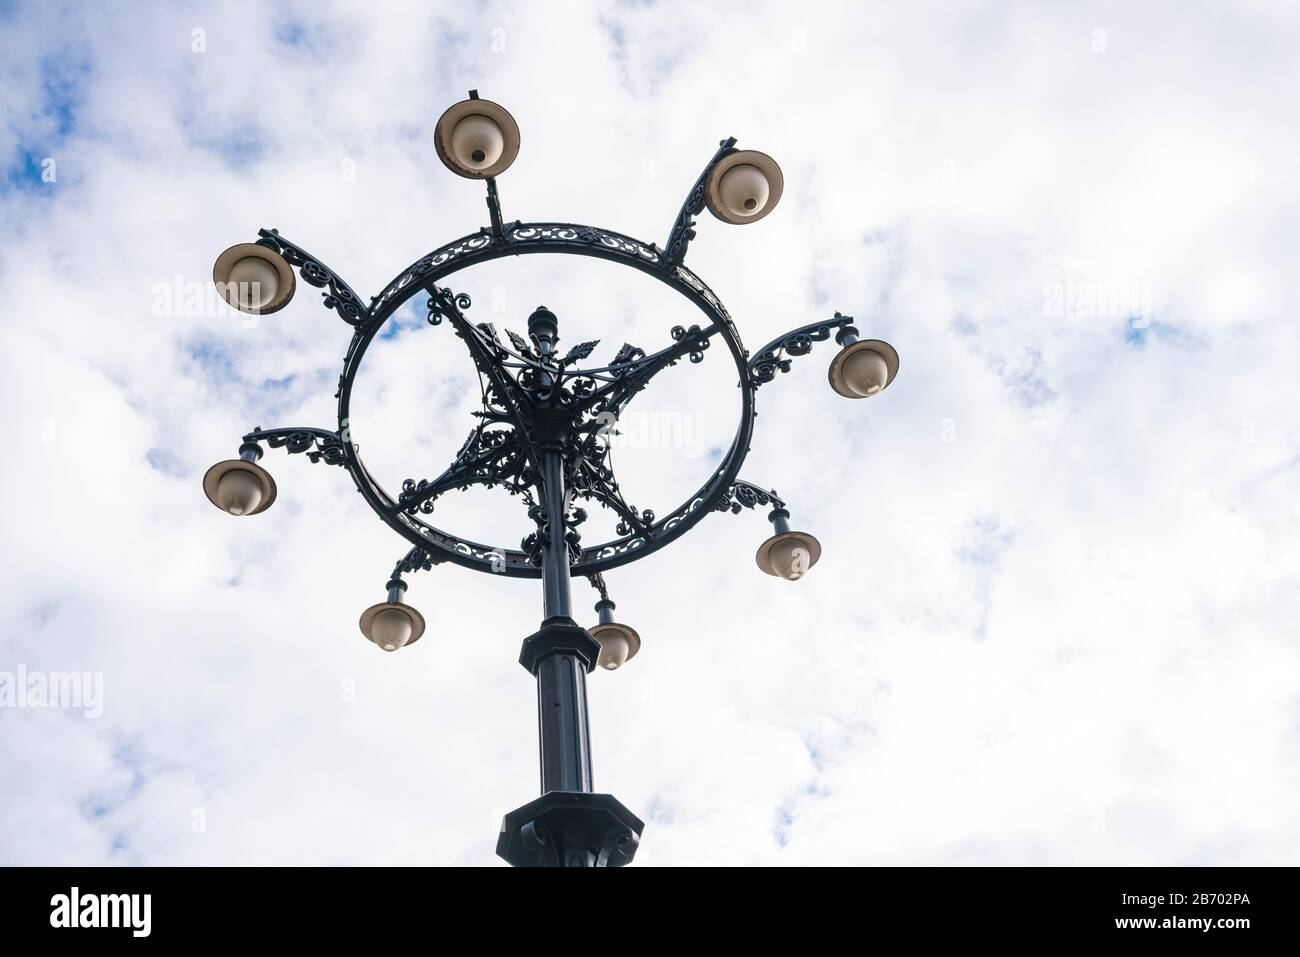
{"x": 543, "y": 435}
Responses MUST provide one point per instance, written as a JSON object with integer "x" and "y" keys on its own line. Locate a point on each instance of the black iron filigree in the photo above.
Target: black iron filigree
{"x": 683, "y": 230}
{"x": 321, "y": 445}
{"x": 747, "y": 495}
{"x": 775, "y": 356}
{"x": 522, "y": 391}
{"x": 632, "y": 369}
{"x": 490, "y": 458}
{"x": 598, "y": 582}
{"x": 339, "y": 296}
{"x": 417, "y": 559}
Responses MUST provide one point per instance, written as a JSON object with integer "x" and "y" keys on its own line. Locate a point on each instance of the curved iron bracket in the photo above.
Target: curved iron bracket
{"x": 683, "y": 230}
{"x": 748, "y": 495}
{"x": 417, "y": 559}
{"x": 775, "y": 356}
{"x": 598, "y": 582}
{"x": 494, "y": 208}
{"x": 340, "y": 296}
{"x": 321, "y": 445}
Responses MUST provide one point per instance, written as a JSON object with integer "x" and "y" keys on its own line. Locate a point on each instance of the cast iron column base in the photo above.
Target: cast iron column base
{"x": 568, "y": 826}
{"x": 570, "y": 829}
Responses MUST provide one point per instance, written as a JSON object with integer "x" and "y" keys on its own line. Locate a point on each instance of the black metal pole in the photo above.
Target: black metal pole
{"x": 555, "y": 556}
{"x": 562, "y": 721}
{"x": 569, "y": 825}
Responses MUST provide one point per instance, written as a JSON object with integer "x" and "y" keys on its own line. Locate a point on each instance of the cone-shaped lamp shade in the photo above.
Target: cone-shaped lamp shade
{"x": 254, "y": 279}
{"x": 391, "y": 625}
{"x": 618, "y": 645}
{"x": 238, "y": 487}
{"x": 789, "y": 555}
{"x": 863, "y": 368}
{"x": 743, "y": 187}
{"x": 477, "y": 139}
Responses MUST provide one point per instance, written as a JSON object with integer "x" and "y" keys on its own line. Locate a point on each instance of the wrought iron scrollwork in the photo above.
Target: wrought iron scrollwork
{"x": 692, "y": 339}
{"x": 320, "y": 445}
{"x": 627, "y": 353}
{"x": 590, "y": 477}
{"x": 417, "y": 559}
{"x": 444, "y": 303}
{"x": 776, "y": 355}
{"x": 598, "y": 582}
{"x": 505, "y": 400}
{"x": 572, "y": 399}
{"x": 683, "y": 230}
{"x": 339, "y": 295}
{"x": 539, "y": 845}
{"x": 744, "y": 494}
{"x": 572, "y": 537}
{"x": 521, "y": 237}
{"x": 632, "y": 369}
{"x": 489, "y": 457}
{"x": 534, "y": 543}
{"x": 618, "y": 847}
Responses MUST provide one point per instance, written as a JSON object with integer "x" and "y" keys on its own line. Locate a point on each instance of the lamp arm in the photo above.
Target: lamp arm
{"x": 339, "y": 295}
{"x": 321, "y": 445}
{"x": 742, "y": 494}
{"x": 776, "y": 355}
{"x": 683, "y": 230}
{"x": 417, "y": 559}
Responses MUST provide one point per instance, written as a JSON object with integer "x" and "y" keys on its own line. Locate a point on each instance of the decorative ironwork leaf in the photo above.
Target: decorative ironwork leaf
{"x": 581, "y": 351}
{"x": 520, "y": 343}
{"x": 626, "y": 354}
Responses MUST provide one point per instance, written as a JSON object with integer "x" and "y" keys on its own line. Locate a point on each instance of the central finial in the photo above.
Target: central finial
{"x": 542, "y": 324}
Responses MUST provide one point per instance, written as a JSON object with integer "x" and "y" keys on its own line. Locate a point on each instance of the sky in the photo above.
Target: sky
{"x": 1054, "y": 621}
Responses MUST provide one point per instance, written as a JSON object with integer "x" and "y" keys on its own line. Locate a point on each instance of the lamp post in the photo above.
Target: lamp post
{"x": 544, "y": 435}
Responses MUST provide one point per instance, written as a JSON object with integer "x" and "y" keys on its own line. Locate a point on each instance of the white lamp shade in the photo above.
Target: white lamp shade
{"x": 254, "y": 279}
{"x": 391, "y": 629}
{"x": 618, "y": 645}
{"x": 392, "y": 625}
{"x": 239, "y": 492}
{"x": 790, "y": 559}
{"x": 865, "y": 372}
{"x": 477, "y": 142}
{"x": 744, "y": 190}
{"x": 613, "y": 651}
{"x": 239, "y": 487}
{"x": 864, "y": 368}
{"x": 789, "y": 555}
{"x": 477, "y": 139}
{"x": 743, "y": 187}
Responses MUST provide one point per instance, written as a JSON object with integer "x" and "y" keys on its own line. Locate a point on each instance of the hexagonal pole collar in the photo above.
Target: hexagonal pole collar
{"x": 570, "y": 829}
{"x": 559, "y": 634}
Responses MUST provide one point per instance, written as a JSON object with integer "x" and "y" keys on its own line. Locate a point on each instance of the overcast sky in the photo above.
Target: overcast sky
{"x": 1055, "y": 617}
